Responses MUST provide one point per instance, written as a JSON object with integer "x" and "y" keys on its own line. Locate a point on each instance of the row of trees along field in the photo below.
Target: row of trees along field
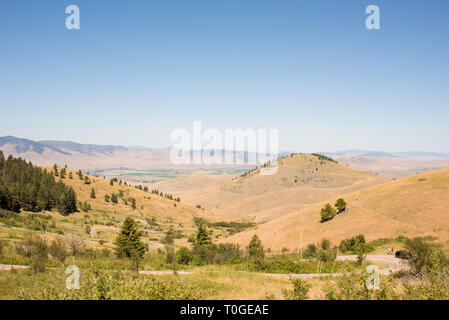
{"x": 26, "y": 187}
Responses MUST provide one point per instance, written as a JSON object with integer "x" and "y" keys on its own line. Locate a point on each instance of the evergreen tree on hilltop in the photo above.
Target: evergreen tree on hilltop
{"x": 92, "y": 194}
{"x": 128, "y": 243}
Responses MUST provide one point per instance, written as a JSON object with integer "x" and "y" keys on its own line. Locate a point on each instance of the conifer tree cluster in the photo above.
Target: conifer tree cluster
{"x": 24, "y": 186}
{"x": 168, "y": 196}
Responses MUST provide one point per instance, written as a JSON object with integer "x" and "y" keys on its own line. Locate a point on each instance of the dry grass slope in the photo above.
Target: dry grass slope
{"x": 413, "y": 206}
{"x": 301, "y": 180}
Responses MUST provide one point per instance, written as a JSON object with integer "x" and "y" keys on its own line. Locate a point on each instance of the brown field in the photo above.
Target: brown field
{"x": 413, "y": 206}
{"x": 301, "y": 181}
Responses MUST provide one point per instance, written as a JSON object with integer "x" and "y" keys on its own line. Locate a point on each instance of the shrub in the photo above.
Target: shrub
{"x": 327, "y": 213}
{"x": 58, "y": 250}
{"x": 326, "y": 255}
{"x": 351, "y": 285}
{"x": 300, "y": 290}
{"x": 97, "y": 285}
{"x": 340, "y": 205}
{"x": 434, "y": 285}
{"x": 310, "y": 251}
{"x": 424, "y": 255}
{"x": 35, "y": 248}
{"x": 114, "y": 198}
{"x": 255, "y": 248}
{"x": 183, "y": 256}
{"x": 224, "y": 253}
{"x": 354, "y": 245}
{"x": 76, "y": 245}
{"x": 170, "y": 255}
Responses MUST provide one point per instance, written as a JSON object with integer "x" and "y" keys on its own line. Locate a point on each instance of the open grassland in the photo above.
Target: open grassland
{"x": 415, "y": 206}
{"x": 301, "y": 180}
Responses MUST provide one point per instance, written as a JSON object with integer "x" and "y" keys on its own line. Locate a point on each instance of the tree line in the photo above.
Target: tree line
{"x": 30, "y": 188}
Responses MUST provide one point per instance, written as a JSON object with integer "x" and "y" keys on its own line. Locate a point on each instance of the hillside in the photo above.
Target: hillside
{"x": 413, "y": 206}
{"x": 300, "y": 181}
{"x": 99, "y": 224}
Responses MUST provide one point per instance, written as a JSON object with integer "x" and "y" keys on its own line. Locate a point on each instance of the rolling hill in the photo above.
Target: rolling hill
{"x": 301, "y": 181}
{"x": 98, "y": 221}
{"x": 413, "y": 206}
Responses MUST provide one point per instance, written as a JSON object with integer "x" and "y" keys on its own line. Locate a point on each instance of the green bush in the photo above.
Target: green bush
{"x": 35, "y": 248}
{"x": 103, "y": 285}
{"x": 58, "y": 250}
{"x": 351, "y": 285}
{"x": 354, "y": 245}
{"x": 183, "y": 256}
{"x": 424, "y": 255}
{"x": 255, "y": 248}
{"x": 223, "y": 253}
{"x": 327, "y": 213}
{"x": 300, "y": 290}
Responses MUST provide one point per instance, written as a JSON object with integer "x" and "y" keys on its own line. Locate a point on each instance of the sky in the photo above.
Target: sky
{"x": 136, "y": 70}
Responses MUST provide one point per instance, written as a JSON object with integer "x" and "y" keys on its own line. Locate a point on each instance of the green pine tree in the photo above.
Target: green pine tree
{"x": 92, "y": 193}
{"x": 202, "y": 235}
{"x": 255, "y": 248}
{"x": 128, "y": 243}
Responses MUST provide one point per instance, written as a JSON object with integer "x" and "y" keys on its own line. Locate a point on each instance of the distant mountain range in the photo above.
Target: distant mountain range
{"x": 101, "y": 157}
{"x": 409, "y": 155}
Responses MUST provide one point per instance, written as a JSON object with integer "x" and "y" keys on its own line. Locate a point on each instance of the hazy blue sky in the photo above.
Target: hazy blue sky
{"x": 138, "y": 69}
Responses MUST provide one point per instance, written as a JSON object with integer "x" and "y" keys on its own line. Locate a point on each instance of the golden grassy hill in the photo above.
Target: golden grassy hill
{"x": 413, "y": 206}
{"x": 300, "y": 181}
{"x": 100, "y": 225}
